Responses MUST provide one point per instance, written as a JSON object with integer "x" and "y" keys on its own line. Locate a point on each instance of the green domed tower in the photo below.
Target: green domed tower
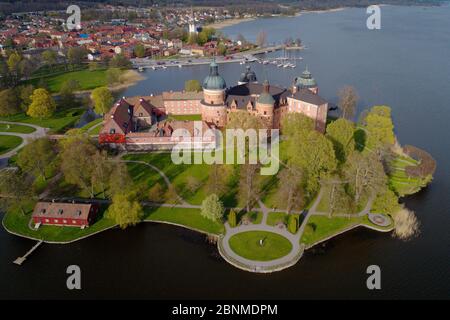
{"x": 306, "y": 81}
{"x": 214, "y": 81}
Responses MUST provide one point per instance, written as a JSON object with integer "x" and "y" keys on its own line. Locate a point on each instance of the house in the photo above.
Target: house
{"x": 64, "y": 214}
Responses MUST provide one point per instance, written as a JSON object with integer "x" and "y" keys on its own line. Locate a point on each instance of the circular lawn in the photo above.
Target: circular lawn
{"x": 247, "y": 245}
{"x": 8, "y": 143}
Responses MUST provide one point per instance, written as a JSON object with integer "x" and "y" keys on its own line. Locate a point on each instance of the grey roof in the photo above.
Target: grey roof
{"x": 309, "y": 97}
{"x": 214, "y": 81}
{"x": 306, "y": 80}
{"x": 248, "y": 76}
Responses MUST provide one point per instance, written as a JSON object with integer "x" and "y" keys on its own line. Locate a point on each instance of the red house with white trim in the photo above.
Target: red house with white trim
{"x": 64, "y": 214}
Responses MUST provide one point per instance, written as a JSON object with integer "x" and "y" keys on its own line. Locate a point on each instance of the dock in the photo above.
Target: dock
{"x": 20, "y": 260}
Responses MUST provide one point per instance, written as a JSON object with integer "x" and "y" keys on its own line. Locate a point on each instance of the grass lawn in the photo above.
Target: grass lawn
{"x": 61, "y": 120}
{"x": 16, "y": 128}
{"x": 8, "y": 143}
{"x": 324, "y": 204}
{"x": 399, "y": 181}
{"x": 321, "y": 227}
{"x": 188, "y": 117}
{"x": 253, "y": 216}
{"x": 88, "y": 80}
{"x": 16, "y": 222}
{"x": 89, "y": 125}
{"x": 274, "y": 217}
{"x": 246, "y": 244}
{"x": 186, "y": 217}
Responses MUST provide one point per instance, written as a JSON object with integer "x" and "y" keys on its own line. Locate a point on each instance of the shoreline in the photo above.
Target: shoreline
{"x": 229, "y": 22}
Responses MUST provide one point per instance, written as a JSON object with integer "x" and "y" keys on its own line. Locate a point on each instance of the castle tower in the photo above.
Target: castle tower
{"x": 192, "y": 28}
{"x": 265, "y": 104}
{"x": 248, "y": 76}
{"x": 213, "y": 103}
{"x": 306, "y": 81}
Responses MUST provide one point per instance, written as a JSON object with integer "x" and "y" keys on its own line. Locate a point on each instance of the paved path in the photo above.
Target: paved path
{"x": 26, "y": 137}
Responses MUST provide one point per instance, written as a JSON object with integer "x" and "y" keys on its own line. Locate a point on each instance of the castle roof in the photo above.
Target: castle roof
{"x": 214, "y": 81}
{"x": 306, "y": 80}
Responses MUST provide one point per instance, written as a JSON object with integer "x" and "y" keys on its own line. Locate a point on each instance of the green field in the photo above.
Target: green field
{"x": 17, "y": 128}
{"x": 16, "y": 222}
{"x": 58, "y": 123}
{"x": 321, "y": 227}
{"x": 8, "y": 143}
{"x": 186, "y": 117}
{"x": 183, "y": 216}
{"x": 246, "y": 244}
{"x": 88, "y": 80}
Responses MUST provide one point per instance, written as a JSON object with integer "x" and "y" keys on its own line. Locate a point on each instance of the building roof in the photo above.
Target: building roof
{"x": 62, "y": 210}
{"x": 214, "y": 81}
{"x": 306, "y": 80}
{"x": 265, "y": 97}
{"x": 182, "y": 95}
{"x": 309, "y": 97}
{"x": 248, "y": 76}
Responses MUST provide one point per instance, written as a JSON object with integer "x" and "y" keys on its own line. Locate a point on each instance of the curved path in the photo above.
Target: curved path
{"x": 26, "y": 137}
{"x": 261, "y": 266}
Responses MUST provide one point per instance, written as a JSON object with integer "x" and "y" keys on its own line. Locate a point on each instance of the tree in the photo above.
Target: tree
{"x": 25, "y": 93}
{"x": 67, "y": 92}
{"x": 232, "y": 221}
{"x": 406, "y": 224}
{"x": 313, "y": 153}
{"x": 114, "y": 75}
{"x": 139, "y": 51}
{"x": 212, "y": 208}
{"x": 49, "y": 57}
{"x": 386, "y": 202}
{"x": 261, "y": 39}
{"x": 290, "y": 191}
{"x": 365, "y": 174}
{"x": 192, "y": 85}
{"x": 93, "y": 66}
{"x": 15, "y": 190}
{"x": 248, "y": 184}
{"x": 217, "y": 179}
{"x": 348, "y": 99}
{"x": 101, "y": 172}
{"x": 125, "y": 210}
{"x": 156, "y": 193}
{"x": 77, "y": 162}
{"x": 295, "y": 125}
{"x": 102, "y": 99}
{"x": 379, "y": 128}
{"x": 9, "y": 103}
{"x": 120, "y": 61}
{"x": 13, "y": 62}
{"x": 36, "y": 157}
{"x": 25, "y": 68}
{"x": 192, "y": 184}
{"x": 292, "y": 223}
{"x": 341, "y": 133}
{"x": 76, "y": 55}
{"x": 42, "y": 104}
{"x": 222, "y": 49}
{"x": 120, "y": 180}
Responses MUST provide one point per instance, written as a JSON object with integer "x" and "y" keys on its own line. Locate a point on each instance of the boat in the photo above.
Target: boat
{"x": 141, "y": 69}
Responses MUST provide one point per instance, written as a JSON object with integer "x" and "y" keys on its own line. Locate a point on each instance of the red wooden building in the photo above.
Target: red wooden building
{"x": 64, "y": 214}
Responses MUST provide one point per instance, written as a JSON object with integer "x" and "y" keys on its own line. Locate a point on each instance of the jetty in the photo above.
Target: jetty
{"x": 20, "y": 260}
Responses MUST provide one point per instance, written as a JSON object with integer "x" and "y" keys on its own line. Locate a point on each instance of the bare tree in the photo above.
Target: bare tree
{"x": 348, "y": 99}
{"x": 291, "y": 193}
{"x": 248, "y": 185}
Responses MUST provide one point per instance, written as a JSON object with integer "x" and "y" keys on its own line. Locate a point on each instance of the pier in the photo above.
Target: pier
{"x": 20, "y": 260}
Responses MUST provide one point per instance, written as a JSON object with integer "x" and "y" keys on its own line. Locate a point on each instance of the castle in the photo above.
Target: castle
{"x": 144, "y": 122}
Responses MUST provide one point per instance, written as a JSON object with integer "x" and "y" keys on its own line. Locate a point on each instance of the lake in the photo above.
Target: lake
{"x": 405, "y": 65}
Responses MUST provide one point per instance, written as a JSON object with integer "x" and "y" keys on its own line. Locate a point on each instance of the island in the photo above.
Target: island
{"x": 116, "y": 171}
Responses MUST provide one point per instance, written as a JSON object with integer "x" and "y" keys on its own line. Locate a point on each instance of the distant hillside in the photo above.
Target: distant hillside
{"x": 9, "y": 6}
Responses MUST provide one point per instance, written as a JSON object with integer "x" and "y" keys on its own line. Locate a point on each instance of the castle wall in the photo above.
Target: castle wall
{"x": 182, "y": 106}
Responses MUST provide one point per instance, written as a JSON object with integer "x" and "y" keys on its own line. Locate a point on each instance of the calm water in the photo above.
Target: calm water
{"x": 406, "y": 65}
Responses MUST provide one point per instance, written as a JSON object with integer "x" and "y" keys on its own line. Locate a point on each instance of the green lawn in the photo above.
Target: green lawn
{"x": 16, "y": 222}
{"x": 275, "y": 217}
{"x": 400, "y": 182}
{"x": 8, "y": 143}
{"x": 324, "y": 204}
{"x": 186, "y": 117}
{"x": 61, "y": 120}
{"x": 321, "y": 227}
{"x": 246, "y": 244}
{"x": 186, "y": 217}
{"x": 254, "y": 217}
{"x": 88, "y": 80}
{"x": 89, "y": 125}
{"x": 16, "y": 128}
